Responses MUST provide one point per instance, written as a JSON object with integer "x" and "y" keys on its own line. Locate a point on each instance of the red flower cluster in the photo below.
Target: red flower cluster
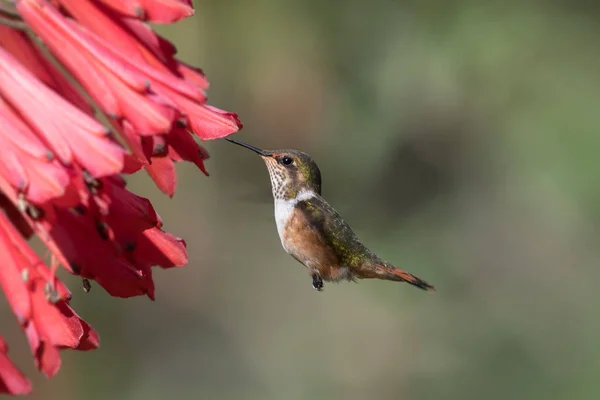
{"x": 60, "y": 169}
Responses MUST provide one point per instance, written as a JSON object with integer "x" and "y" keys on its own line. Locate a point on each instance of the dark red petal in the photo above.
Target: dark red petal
{"x": 131, "y": 164}
{"x": 125, "y": 280}
{"x": 90, "y": 339}
{"x": 129, "y": 214}
{"x": 183, "y": 146}
{"x": 76, "y": 239}
{"x": 157, "y": 247}
{"x": 15, "y": 216}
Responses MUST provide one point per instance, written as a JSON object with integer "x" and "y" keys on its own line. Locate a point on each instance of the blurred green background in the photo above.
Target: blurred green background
{"x": 460, "y": 141}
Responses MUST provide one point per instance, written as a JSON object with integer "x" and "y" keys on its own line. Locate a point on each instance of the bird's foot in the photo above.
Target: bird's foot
{"x": 317, "y": 282}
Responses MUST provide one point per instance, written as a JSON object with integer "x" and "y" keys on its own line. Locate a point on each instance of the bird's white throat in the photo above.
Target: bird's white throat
{"x": 284, "y": 208}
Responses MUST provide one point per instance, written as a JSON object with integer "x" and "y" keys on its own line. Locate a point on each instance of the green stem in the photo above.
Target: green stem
{"x": 8, "y": 9}
{"x": 10, "y": 17}
{"x": 13, "y": 23}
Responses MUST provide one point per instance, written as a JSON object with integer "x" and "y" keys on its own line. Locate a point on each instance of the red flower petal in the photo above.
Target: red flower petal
{"x": 26, "y": 162}
{"x": 164, "y": 51}
{"x": 132, "y": 139}
{"x": 16, "y": 131}
{"x": 19, "y": 44}
{"x": 131, "y": 164}
{"x": 90, "y": 339}
{"x": 129, "y": 214}
{"x": 212, "y": 123}
{"x": 182, "y": 88}
{"x": 182, "y": 146}
{"x": 83, "y": 243}
{"x": 159, "y": 52}
{"x": 60, "y": 168}
{"x": 26, "y": 264}
{"x": 72, "y": 134}
{"x": 124, "y": 60}
{"x": 49, "y": 325}
{"x": 47, "y": 358}
{"x": 11, "y": 277}
{"x": 12, "y": 381}
{"x": 15, "y": 216}
{"x": 56, "y": 324}
{"x": 157, "y": 247}
{"x": 162, "y": 171}
{"x": 119, "y": 89}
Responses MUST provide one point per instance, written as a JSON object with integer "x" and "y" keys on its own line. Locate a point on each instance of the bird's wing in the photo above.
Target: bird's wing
{"x": 336, "y": 232}
{"x": 349, "y": 249}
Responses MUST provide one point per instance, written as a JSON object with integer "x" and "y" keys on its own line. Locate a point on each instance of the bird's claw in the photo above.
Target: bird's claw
{"x": 317, "y": 282}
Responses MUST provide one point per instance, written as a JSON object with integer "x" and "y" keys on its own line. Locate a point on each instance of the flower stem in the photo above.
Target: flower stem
{"x": 10, "y": 17}
{"x": 7, "y": 8}
{"x": 13, "y": 23}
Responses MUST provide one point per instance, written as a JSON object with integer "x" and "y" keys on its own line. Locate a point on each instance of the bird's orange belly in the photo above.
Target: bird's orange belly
{"x": 307, "y": 245}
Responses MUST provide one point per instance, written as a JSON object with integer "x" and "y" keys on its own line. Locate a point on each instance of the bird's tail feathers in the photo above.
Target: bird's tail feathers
{"x": 392, "y": 273}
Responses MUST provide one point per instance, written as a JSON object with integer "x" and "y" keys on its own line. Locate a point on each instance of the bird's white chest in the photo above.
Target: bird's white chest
{"x": 283, "y": 211}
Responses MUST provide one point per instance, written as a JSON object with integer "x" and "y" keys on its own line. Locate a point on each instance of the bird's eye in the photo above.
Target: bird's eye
{"x": 286, "y": 160}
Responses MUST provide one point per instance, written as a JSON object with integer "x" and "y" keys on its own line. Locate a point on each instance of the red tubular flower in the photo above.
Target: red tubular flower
{"x": 49, "y": 325}
{"x": 60, "y": 168}
{"x": 20, "y": 46}
{"x": 132, "y": 74}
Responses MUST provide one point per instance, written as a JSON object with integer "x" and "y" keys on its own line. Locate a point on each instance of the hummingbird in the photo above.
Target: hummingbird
{"x": 312, "y": 231}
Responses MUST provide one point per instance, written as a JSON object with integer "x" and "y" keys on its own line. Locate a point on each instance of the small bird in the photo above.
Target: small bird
{"x": 313, "y": 232}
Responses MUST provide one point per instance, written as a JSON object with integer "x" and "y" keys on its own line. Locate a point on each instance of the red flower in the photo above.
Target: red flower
{"x": 60, "y": 169}
{"x": 42, "y": 311}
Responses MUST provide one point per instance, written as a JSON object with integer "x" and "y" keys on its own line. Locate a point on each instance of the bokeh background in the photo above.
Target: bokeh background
{"x": 460, "y": 139}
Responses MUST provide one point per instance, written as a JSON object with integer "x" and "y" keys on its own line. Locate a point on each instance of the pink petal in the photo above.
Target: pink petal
{"x": 70, "y": 132}
{"x": 120, "y": 90}
{"x": 11, "y": 280}
{"x": 132, "y": 139}
{"x": 19, "y": 44}
{"x": 125, "y": 51}
{"x": 212, "y": 123}
{"x": 19, "y": 134}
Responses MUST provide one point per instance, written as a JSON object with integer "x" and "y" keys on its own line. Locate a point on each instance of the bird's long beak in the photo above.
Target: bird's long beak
{"x": 254, "y": 149}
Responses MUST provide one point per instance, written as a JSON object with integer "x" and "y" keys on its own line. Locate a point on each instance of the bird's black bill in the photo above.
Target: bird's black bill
{"x": 246, "y": 145}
